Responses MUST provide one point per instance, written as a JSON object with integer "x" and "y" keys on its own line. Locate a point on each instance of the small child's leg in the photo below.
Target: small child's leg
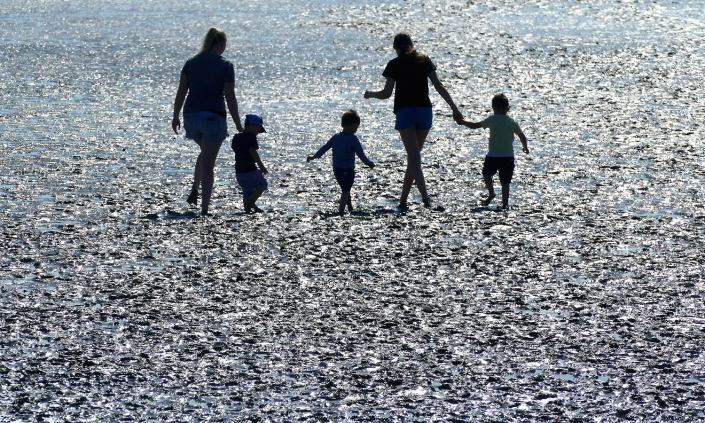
{"x": 490, "y": 188}
{"x": 505, "y": 195}
{"x": 350, "y": 207}
{"x": 246, "y": 204}
{"x": 250, "y": 201}
{"x": 344, "y": 199}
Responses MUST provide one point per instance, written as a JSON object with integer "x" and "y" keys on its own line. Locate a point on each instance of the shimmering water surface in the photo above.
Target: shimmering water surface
{"x": 583, "y": 302}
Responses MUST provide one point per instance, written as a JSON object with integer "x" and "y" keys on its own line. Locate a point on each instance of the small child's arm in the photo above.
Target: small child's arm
{"x": 471, "y": 125}
{"x": 524, "y": 146}
{"x": 321, "y": 151}
{"x": 361, "y": 154}
{"x": 255, "y": 155}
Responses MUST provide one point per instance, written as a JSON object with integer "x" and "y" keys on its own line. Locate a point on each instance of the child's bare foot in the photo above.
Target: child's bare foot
{"x": 489, "y": 199}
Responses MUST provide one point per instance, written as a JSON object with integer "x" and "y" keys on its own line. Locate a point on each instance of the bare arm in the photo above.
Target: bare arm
{"x": 229, "y": 89}
{"x": 444, "y": 93}
{"x": 524, "y": 146}
{"x": 385, "y": 93}
{"x": 471, "y": 125}
{"x": 179, "y": 102}
{"x": 255, "y": 155}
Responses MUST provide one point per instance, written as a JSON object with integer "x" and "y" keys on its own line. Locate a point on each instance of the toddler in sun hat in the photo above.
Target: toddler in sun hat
{"x": 501, "y": 147}
{"x": 249, "y": 176}
{"x": 345, "y": 146}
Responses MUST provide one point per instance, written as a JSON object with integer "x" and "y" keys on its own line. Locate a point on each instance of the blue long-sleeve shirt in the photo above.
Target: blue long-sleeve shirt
{"x": 345, "y": 146}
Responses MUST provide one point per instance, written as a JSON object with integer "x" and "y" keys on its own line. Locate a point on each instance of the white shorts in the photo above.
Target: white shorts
{"x": 205, "y": 126}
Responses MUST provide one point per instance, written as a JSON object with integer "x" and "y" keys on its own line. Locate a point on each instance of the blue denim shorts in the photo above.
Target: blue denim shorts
{"x": 250, "y": 181}
{"x": 345, "y": 178}
{"x": 205, "y": 126}
{"x": 414, "y": 117}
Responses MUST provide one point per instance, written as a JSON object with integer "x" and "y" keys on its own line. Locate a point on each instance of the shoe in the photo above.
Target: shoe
{"x": 256, "y": 209}
{"x": 403, "y": 207}
{"x": 427, "y": 203}
{"x": 193, "y": 197}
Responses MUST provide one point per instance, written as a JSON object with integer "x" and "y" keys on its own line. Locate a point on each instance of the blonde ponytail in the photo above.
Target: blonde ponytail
{"x": 213, "y": 37}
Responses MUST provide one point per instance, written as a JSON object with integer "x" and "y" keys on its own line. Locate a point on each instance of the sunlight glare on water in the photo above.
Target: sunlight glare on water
{"x": 584, "y": 300}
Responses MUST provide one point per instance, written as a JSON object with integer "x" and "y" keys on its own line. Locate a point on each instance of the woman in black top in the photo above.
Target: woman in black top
{"x": 410, "y": 72}
{"x": 206, "y": 78}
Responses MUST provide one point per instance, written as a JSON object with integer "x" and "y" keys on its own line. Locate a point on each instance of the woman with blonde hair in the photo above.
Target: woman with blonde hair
{"x": 206, "y": 78}
{"x": 410, "y": 72}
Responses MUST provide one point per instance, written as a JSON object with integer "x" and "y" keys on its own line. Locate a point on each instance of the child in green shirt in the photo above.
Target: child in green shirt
{"x": 501, "y": 147}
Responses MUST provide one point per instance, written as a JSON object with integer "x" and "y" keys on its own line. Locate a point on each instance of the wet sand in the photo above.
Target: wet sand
{"x": 582, "y": 302}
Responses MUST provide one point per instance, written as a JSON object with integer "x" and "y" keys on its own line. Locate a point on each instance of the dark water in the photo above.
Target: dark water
{"x": 583, "y": 302}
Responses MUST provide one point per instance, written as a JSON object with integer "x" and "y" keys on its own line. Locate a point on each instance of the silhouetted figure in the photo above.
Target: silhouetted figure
{"x": 206, "y": 77}
{"x": 345, "y": 146}
{"x": 410, "y": 71}
{"x": 249, "y": 177}
{"x": 501, "y": 147}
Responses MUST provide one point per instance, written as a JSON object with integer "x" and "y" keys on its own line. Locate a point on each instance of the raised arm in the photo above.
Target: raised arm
{"x": 385, "y": 93}
{"x": 321, "y": 151}
{"x": 444, "y": 93}
{"x": 229, "y": 89}
{"x": 179, "y": 102}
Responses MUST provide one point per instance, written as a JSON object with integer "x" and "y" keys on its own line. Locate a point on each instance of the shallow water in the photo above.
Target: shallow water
{"x": 583, "y": 302}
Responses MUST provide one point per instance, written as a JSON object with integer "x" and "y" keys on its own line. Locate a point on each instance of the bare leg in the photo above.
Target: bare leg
{"x": 505, "y": 195}
{"x": 344, "y": 200}
{"x": 193, "y": 196}
{"x": 413, "y": 140}
{"x": 249, "y": 202}
{"x": 209, "y": 153}
{"x": 198, "y": 169}
{"x": 490, "y": 189}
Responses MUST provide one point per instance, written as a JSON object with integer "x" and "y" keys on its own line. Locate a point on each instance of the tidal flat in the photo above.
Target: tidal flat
{"x": 584, "y": 302}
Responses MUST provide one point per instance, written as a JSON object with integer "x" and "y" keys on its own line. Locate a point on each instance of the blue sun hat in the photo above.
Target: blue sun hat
{"x": 256, "y": 119}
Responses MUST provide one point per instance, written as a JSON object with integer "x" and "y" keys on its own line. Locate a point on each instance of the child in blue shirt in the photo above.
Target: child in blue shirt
{"x": 501, "y": 147}
{"x": 345, "y": 145}
{"x": 249, "y": 177}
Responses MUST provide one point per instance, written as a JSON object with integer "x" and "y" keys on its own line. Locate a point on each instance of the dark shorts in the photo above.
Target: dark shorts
{"x": 414, "y": 117}
{"x": 251, "y": 180}
{"x": 505, "y": 166}
{"x": 345, "y": 177}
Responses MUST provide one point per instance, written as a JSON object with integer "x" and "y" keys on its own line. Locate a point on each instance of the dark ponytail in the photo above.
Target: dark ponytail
{"x": 403, "y": 43}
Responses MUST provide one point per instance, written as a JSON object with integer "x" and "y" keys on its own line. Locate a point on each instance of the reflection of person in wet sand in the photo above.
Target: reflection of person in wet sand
{"x": 501, "y": 150}
{"x": 345, "y": 145}
{"x": 205, "y": 78}
{"x": 410, "y": 71}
